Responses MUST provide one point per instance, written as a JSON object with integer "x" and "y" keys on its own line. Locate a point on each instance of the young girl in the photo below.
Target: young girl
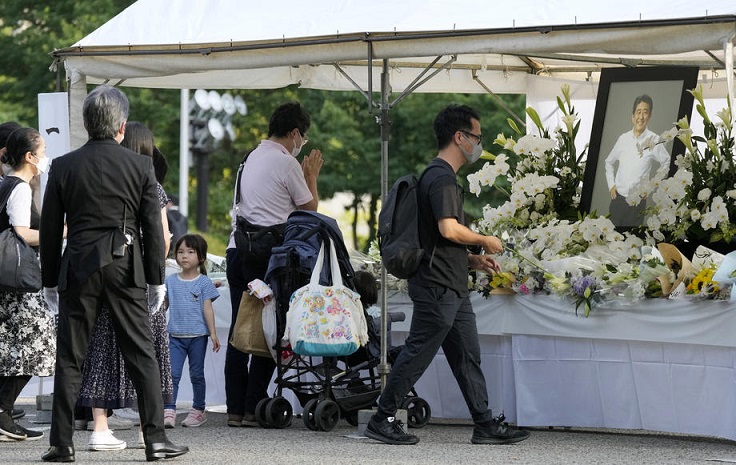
{"x": 191, "y": 319}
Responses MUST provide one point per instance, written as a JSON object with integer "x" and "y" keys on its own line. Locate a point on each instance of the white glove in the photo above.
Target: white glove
{"x": 156, "y": 296}
{"x": 51, "y": 296}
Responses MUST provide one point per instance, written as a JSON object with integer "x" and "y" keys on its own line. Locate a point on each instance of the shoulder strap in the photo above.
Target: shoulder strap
{"x": 237, "y": 180}
{"x": 6, "y": 188}
{"x": 434, "y": 246}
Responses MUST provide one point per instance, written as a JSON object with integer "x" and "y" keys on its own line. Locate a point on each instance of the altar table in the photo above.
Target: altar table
{"x": 655, "y": 364}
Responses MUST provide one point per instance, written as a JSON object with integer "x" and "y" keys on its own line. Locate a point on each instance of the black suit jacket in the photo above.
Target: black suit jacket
{"x": 98, "y": 187}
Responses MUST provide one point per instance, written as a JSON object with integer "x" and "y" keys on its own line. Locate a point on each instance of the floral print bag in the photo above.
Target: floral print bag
{"x": 325, "y": 321}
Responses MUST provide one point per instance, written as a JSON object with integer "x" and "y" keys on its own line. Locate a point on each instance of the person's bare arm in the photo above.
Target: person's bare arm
{"x": 209, "y": 318}
{"x": 453, "y": 231}
{"x": 167, "y": 232}
{"x": 29, "y": 235}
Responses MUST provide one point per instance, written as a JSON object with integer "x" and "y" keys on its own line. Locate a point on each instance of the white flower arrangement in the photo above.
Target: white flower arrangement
{"x": 696, "y": 204}
{"x": 554, "y": 248}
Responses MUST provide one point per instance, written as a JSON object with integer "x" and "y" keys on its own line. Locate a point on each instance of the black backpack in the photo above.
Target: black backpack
{"x": 398, "y": 228}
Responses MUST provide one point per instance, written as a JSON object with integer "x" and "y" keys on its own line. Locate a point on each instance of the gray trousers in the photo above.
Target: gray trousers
{"x": 441, "y": 319}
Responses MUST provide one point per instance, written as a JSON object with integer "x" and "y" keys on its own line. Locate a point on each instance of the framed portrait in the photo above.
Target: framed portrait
{"x": 633, "y": 107}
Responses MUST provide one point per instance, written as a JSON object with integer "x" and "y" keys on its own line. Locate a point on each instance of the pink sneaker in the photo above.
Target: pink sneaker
{"x": 169, "y": 418}
{"x": 195, "y": 418}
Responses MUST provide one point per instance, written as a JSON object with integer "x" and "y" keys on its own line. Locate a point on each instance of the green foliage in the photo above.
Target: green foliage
{"x": 29, "y": 31}
{"x": 342, "y": 125}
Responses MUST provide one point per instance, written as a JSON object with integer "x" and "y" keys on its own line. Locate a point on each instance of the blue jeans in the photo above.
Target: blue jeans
{"x": 195, "y": 348}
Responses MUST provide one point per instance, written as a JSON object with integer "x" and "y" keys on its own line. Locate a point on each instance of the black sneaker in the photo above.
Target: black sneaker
{"x": 17, "y": 413}
{"x": 31, "y": 434}
{"x": 9, "y": 428}
{"x": 389, "y": 431}
{"x": 498, "y": 433}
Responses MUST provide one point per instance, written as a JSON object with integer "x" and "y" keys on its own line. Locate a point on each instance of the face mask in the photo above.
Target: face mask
{"x": 43, "y": 165}
{"x": 295, "y": 151}
{"x": 473, "y": 156}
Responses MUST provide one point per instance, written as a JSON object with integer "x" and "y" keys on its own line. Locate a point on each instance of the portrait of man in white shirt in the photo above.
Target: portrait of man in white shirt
{"x": 633, "y": 160}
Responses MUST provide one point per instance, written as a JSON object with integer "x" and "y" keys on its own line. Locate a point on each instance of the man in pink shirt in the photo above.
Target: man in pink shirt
{"x": 271, "y": 185}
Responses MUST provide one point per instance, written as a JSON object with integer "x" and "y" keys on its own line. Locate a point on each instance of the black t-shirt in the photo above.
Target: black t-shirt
{"x": 445, "y": 263}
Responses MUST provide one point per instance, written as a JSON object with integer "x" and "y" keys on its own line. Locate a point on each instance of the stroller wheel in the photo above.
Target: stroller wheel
{"x": 279, "y": 412}
{"x": 327, "y": 414}
{"x": 308, "y": 415}
{"x": 261, "y": 413}
{"x": 417, "y": 411}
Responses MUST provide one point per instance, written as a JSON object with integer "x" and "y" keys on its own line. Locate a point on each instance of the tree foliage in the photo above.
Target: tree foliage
{"x": 342, "y": 125}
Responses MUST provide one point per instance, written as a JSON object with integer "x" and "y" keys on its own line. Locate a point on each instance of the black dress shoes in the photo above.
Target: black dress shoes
{"x": 59, "y": 454}
{"x": 164, "y": 450}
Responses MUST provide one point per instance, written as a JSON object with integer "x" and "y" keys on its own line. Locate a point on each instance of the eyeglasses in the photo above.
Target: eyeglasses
{"x": 477, "y": 137}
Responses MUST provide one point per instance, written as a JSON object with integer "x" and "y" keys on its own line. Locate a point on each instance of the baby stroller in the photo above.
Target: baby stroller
{"x": 328, "y": 388}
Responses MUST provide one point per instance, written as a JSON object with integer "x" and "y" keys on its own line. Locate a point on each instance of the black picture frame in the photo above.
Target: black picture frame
{"x": 617, "y": 92}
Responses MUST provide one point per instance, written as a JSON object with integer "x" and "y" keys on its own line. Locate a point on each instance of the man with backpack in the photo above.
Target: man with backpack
{"x": 443, "y": 315}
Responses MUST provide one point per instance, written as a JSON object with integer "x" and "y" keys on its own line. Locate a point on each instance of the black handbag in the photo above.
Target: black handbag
{"x": 20, "y": 270}
{"x": 254, "y": 243}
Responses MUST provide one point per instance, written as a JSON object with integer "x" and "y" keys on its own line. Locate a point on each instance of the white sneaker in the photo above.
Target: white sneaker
{"x": 104, "y": 440}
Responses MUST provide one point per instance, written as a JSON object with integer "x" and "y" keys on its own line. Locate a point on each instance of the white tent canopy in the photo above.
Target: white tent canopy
{"x": 472, "y": 45}
{"x": 185, "y": 44}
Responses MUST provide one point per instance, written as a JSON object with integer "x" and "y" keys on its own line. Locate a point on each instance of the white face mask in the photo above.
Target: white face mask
{"x": 295, "y": 151}
{"x": 43, "y": 165}
{"x": 473, "y": 156}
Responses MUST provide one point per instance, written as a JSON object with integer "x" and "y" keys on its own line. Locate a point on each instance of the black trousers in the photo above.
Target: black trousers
{"x": 79, "y": 306}
{"x": 441, "y": 319}
{"x": 10, "y": 388}
{"x": 623, "y": 214}
{"x": 245, "y": 384}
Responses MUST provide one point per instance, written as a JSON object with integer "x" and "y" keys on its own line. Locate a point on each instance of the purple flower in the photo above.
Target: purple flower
{"x": 581, "y": 284}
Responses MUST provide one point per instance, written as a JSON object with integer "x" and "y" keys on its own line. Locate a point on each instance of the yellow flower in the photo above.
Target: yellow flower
{"x": 502, "y": 279}
{"x": 703, "y": 283}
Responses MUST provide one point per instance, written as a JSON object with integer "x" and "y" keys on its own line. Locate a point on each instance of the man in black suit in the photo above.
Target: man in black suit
{"x": 115, "y": 246}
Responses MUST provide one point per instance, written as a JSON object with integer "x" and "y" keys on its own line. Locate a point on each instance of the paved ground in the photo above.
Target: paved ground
{"x": 441, "y": 443}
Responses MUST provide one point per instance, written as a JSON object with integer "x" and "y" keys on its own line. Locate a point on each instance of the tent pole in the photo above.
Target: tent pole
{"x": 184, "y": 153}
{"x": 729, "y": 68}
{"x": 383, "y": 119}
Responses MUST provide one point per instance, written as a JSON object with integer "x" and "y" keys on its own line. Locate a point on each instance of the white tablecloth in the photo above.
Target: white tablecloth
{"x": 657, "y": 365}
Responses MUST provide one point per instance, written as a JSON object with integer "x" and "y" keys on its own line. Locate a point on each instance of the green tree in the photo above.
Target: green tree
{"x": 342, "y": 125}
{"x": 29, "y": 31}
